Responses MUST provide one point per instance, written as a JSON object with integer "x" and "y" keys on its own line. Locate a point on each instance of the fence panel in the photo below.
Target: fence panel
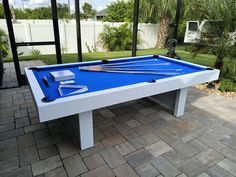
{"x": 42, "y": 30}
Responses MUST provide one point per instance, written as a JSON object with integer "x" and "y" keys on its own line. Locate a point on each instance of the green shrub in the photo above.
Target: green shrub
{"x": 117, "y": 38}
{"x": 230, "y": 67}
{"x": 227, "y": 85}
{"x": 119, "y": 11}
{"x": 35, "y": 52}
{"x": 4, "y": 43}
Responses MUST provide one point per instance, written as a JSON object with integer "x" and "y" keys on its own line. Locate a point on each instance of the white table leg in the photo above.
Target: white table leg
{"x": 180, "y": 101}
{"x": 86, "y": 129}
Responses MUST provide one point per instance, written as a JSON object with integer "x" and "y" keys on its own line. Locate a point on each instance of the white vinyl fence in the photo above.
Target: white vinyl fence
{"x": 42, "y": 30}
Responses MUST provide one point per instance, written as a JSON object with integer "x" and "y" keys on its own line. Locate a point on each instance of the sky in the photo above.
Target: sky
{"x": 97, "y": 4}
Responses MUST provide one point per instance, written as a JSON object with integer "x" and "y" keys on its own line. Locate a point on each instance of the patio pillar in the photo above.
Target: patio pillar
{"x": 11, "y": 35}
{"x": 135, "y": 27}
{"x": 78, "y": 30}
{"x": 177, "y": 18}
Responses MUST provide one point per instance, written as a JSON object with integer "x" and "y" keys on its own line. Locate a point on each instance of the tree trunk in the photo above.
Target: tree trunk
{"x": 219, "y": 62}
{"x": 218, "y": 65}
{"x": 163, "y": 31}
{"x": 13, "y": 15}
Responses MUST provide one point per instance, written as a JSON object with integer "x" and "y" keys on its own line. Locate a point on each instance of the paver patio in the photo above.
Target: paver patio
{"x": 137, "y": 138}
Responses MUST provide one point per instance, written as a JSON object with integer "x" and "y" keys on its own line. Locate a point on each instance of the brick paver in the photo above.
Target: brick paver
{"x": 47, "y": 152}
{"x": 124, "y": 170}
{"x": 104, "y": 171}
{"x": 158, "y": 148}
{"x": 228, "y": 165}
{"x": 94, "y": 161}
{"x": 112, "y": 157}
{"x": 138, "y": 157}
{"x": 46, "y": 165}
{"x": 217, "y": 171}
{"x": 58, "y": 172}
{"x": 74, "y": 165}
{"x": 125, "y": 148}
{"x": 28, "y": 156}
{"x": 165, "y": 167}
{"x": 146, "y": 170}
{"x": 193, "y": 167}
{"x": 137, "y": 138}
{"x": 19, "y": 172}
{"x": 66, "y": 149}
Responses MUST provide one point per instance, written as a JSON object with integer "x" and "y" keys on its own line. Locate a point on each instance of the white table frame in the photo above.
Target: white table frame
{"x": 83, "y": 104}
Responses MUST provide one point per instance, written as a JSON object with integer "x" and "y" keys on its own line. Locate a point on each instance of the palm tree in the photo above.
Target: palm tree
{"x": 148, "y": 11}
{"x": 160, "y": 11}
{"x": 218, "y": 40}
{"x": 166, "y": 10}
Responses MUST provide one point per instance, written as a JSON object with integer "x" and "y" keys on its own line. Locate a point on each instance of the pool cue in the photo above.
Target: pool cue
{"x": 45, "y": 81}
{"x": 131, "y": 66}
{"x": 129, "y": 62}
{"x": 101, "y": 67}
{"x": 141, "y": 69}
{"x": 60, "y": 91}
{"x": 133, "y": 72}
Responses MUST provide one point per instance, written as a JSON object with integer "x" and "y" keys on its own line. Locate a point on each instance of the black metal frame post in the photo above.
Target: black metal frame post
{"x": 177, "y": 18}
{"x": 56, "y": 31}
{"x": 22, "y": 44}
{"x": 11, "y": 34}
{"x": 78, "y": 30}
{"x": 135, "y": 27}
{"x": 20, "y": 77}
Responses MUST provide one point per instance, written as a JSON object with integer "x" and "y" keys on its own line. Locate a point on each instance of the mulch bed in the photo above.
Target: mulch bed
{"x": 214, "y": 91}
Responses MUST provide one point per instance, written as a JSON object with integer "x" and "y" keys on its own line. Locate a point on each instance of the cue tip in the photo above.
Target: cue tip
{"x": 33, "y": 68}
{"x": 105, "y": 61}
{"x": 156, "y": 56}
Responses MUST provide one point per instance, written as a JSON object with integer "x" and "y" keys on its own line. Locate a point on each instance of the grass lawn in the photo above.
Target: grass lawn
{"x": 203, "y": 59}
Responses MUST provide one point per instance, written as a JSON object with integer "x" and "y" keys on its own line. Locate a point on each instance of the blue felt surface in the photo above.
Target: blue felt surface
{"x": 96, "y": 81}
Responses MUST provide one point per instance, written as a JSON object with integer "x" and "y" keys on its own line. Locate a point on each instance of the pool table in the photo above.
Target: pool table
{"x": 162, "y": 79}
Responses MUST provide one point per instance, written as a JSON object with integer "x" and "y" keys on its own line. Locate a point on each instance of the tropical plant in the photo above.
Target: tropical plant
{"x": 227, "y": 85}
{"x": 35, "y": 52}
{"x": 163, "y": 12}
{"x": 88, "y": 11}
{"x": 63, "y": 11}
{"x": 64, "y": 49}
{"x": 148, "y": 11}
{"x": 160, "y": 11}
{"x": 117, "y": 38}
{"x": 39, "y": 12}
{"x": 120, "y": 11}
{"x": 217, "y": 39}
{"x": 4, "y": 47}
{"x": 1, "y": 11}
{"x": 92, "y": 49}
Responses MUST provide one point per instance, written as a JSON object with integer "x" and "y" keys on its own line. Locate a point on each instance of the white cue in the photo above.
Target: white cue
{"x": 128, "y": 62}
{"x": 134, "y": 72}
{"x": 141, "y": 69}
{"x": 131, "y": 66}
{"x": 101, "y": 67}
